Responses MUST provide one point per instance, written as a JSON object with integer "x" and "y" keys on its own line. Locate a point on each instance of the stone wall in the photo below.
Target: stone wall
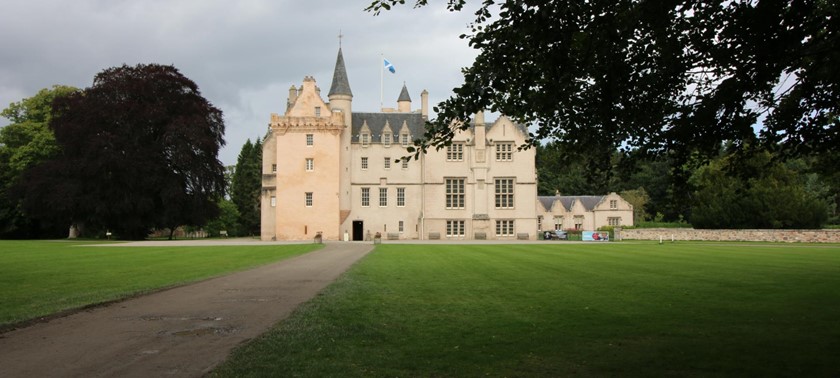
{"x": 785, "y": 236}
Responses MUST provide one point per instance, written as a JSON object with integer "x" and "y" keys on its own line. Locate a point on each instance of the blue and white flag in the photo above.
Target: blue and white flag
{"x": 389, "y": 66}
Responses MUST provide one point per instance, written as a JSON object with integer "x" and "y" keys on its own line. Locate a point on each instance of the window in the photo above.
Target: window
{"x": 455, "y": 152}
{"x": 404, "y": 163}
{"x": 614, "y": 221}
{"x": 400, "y": 197}
{"x": 365, "y": 197}
{"x": 386, "y": 139}
{"x": 558, "y": 223}
{"x": 310, "y": 164}
{"x": 504, "y": 227}
{"x": 401, "y": 228}
{"x": 504, "y": 151}
{"x": 273, "y": 201}
{"x": 455, "y": 193}
{"x": 455, "y": 228}
{"x": 504, "y": 193}
{"x": 310, "y": 139}
{"x": 308, "y": 199}
{"x": 364, "y": 162}
{"x": 317, "y": 111}
{"x": 405, "y": 140}
{"x": 613, "y": 204}
{"x": 383, "y": 197}
{"x": 578, "y": 222}
{"x": 387, "y": 163}
{"x": 274, "y": 168}
{"x": 365, "y": 140}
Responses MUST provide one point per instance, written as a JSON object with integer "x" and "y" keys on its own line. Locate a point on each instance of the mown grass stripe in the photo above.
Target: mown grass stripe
{"x": 39, "y": 278}
{"x": 563, "y": 309}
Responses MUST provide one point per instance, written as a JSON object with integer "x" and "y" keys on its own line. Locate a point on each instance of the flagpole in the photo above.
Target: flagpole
{"x": 381, "y": 76}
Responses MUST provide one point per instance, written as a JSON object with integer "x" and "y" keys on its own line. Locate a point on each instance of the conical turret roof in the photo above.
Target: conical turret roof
{"x": 404, "y": 95}
{"x": 340, "y": 84}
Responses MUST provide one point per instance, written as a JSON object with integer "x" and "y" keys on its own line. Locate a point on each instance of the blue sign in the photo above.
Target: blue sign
{"x": 596, "y": 236}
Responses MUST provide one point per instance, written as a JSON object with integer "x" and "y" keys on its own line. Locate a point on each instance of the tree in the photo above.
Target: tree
{"x": 677, "y": 77}
{"x": 138, "y": 151}
{"x": 246, "y": 185}
{"x": 669, "y": 196}
{"x": 754, "y": 192}
{"x": 227, "y": 220}
{"x": 639, "y": 199}
{"x": 560, "y": 170}
{"x": 24, "y": 143}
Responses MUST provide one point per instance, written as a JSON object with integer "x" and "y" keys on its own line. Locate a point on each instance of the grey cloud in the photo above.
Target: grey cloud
{"x": 243, "y": 55}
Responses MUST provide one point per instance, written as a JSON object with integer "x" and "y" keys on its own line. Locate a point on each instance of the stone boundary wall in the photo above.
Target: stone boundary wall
{"x": 784, "y": 236}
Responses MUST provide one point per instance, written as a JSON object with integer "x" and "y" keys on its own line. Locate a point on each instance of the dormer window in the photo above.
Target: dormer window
{"x": 405, "y": 140}
{"x": 386, "y": 139}
{"x": 365, "y": 140}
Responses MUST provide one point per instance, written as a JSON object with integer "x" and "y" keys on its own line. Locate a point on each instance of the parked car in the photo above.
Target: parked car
{"x": 556, "y": 235}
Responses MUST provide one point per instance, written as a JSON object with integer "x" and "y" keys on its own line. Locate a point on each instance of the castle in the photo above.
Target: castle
{"x": 330, "y": 171}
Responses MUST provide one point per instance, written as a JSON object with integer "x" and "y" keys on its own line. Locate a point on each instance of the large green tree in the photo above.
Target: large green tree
{"x": 245, "y": 187}
{"x": 678, "y": 77}
{"x": 568, "y": 173}
{"x": 559, "y": 170}
{"x": 227, "y": 220}
{"x": 138, "y": 150}
{"x": 754, "y": 192}
{"x": 24, "y": 143}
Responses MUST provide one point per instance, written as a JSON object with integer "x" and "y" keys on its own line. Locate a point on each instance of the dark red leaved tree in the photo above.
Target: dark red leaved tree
{"x": 139, "y": 151}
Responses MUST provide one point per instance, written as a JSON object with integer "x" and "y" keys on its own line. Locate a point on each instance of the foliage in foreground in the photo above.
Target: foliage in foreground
{"x": 561, "y": 310}
{"x": 39, "y": 278}
{"x": 678, "y": 77}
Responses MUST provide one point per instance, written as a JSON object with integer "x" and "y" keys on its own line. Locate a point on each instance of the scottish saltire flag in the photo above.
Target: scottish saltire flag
{"x": 389, "y": 66}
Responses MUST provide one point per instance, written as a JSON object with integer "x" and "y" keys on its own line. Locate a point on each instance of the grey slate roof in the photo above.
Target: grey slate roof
{"x": 546, "y": 201}
{"x": 588, "y": 202}
{"x": 376, "y": 122}
{"x": 404, "y": 95}
{"x": 340, "y": 83}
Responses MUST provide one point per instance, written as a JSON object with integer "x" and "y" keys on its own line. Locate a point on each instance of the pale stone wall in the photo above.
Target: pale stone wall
{"x": 384, "y": 219}
{"x": 787, "y": 236}
{"x": 593, "y": 219}
{"x": 603, "y": 212}
{"x": 268, "y": 215}
{"x": 480, "y": 169}
{"x": 289, "y": 217}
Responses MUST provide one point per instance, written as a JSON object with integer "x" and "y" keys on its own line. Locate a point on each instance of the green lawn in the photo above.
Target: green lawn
{"x": 39, "y": 278}
{"x": 618, "y": 309}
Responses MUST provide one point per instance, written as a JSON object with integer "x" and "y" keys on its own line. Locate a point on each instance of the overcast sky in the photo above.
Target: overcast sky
{"x": 243, "y": 55}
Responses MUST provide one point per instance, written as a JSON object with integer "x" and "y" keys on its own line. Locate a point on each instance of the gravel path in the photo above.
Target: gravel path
{"x": 183, "y": 332}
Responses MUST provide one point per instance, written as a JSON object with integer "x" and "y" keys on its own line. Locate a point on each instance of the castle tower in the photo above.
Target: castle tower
{"x": 300, "y": 183}
{"x": 341, "y": 100}
{"x": 404, "y": 101}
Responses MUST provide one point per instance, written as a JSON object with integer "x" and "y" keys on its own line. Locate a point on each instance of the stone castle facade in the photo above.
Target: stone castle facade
{"x": 336, "y": 172}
